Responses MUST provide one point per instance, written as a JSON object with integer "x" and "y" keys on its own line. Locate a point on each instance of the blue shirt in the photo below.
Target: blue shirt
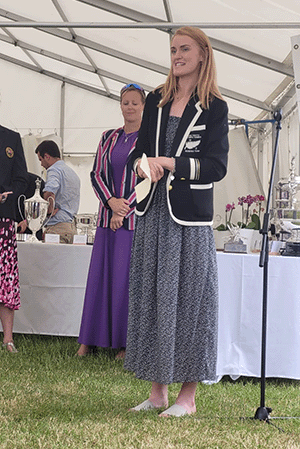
{"x": 65, "y": 184}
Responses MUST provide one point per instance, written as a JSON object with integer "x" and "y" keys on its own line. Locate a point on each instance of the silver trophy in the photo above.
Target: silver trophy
{"x": 86, "y": 224}
{"x": 35, "y": 211}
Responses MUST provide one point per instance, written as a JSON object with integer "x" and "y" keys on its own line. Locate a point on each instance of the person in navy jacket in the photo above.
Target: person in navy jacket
{"x": 173, "y": 300}
{"x": 198, "y": 156}
{"x": 13, "y": 183}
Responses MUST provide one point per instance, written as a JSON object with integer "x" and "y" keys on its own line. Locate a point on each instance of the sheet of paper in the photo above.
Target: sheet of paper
{"x": 80, "y": 239}
{"x": 143, "y": 188}
{"x": 52, "y": 238}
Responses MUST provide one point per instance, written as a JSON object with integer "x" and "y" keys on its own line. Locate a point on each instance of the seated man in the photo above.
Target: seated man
{"x": 63, "y": 186}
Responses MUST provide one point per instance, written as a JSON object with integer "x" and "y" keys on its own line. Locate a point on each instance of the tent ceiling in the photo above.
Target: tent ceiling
{"x": 251, "y": 41}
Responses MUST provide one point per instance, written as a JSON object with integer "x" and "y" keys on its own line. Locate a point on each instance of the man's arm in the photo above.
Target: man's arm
{"x": 47, "y": 196}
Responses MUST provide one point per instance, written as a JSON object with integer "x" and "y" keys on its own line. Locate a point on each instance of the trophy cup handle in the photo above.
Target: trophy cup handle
{"x": 19, "y": 207}
{"x": 50, "y": 198}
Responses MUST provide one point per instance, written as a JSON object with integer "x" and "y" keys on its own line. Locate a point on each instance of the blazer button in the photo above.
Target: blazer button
{"x": 182, "y": 179}
{"x": 170, "y": 187}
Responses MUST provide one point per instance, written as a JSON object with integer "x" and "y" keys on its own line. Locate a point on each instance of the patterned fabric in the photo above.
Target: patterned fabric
{"x": 173, "y": 296}
{"x": 102, "y": 179}
{"x": 9, "y": 274}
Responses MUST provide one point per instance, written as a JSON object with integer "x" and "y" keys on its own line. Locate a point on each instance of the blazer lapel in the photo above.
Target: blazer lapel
{"x": 189, "y": 117}
{"x": 113, "y": 143}
{"x": 131, "y": 150}
{"x": 161, "y": 128}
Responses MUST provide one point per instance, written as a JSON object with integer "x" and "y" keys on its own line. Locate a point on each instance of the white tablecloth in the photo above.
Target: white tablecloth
{"x": 53, "y": 279}
{"x": 241, "y": 293}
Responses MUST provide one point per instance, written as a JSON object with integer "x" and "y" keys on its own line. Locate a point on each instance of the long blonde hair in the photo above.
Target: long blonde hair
{"x": 207, "y": 87}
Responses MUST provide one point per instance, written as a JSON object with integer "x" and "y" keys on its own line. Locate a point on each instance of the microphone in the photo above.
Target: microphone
{"x": 278, "y": 115}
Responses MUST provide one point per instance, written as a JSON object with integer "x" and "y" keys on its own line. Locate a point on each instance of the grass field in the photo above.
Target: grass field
{"x": 51, "y": 399}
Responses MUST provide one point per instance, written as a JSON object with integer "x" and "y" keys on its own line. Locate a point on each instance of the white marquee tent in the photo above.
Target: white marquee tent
{"x": 63, "y": 63}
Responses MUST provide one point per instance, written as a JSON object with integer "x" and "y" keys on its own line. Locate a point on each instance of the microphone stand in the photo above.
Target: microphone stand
{"x": 262, "y": 413}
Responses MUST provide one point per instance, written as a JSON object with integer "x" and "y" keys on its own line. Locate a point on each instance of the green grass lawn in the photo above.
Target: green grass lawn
{"x": 51, "y": 399}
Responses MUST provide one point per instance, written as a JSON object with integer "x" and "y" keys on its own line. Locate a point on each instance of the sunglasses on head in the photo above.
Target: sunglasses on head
{"x": 136, "y": 86}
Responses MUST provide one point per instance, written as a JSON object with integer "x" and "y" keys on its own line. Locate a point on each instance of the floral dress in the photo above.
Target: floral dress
{"x": 9, "y": 274}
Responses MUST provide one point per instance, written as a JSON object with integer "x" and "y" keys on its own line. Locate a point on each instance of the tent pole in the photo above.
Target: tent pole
{"x": 260, "y": 156}
{"x": 275, "y": 141}
{"x": 62, "y": 116}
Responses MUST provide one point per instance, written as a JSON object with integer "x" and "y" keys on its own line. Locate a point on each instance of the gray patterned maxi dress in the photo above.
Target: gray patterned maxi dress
{"x": 173, "y": 295}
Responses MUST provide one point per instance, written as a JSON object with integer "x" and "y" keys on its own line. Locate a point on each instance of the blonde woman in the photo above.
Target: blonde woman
{"x": 173, "y": 299}
{"x": 105, "y": 311}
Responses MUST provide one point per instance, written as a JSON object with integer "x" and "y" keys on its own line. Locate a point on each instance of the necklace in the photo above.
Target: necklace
{"x": 179, "y": 96}
{"x": 127, "y": 136}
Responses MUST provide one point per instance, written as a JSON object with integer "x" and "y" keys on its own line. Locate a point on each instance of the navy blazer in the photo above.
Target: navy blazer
{"x": 13, "y": 171}
{"x": 200, "y": 149}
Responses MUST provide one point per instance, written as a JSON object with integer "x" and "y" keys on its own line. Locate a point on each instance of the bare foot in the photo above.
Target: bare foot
{"x": 159, "y": 395}
{"x": 10, "y": 347}
{"x": 83, "y": 350}
{"x": 121, "y": 354}
{"x": 159, "y": 401}
{"x": 186, "y": 399}
{"x": 177, "y": 410}
{"x": 146, "y": 405}
{"x": 189, "y": 408}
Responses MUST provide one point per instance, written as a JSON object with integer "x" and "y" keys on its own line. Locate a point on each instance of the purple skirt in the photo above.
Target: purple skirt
{"x": 105, "y": 309}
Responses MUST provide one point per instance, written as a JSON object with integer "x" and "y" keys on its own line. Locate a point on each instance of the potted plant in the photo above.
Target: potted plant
{"x": 250, "y": 223}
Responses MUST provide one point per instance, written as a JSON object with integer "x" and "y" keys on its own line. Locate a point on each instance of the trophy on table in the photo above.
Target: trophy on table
{"x": 86, "y": 224}
{"x": 35, "y": 211}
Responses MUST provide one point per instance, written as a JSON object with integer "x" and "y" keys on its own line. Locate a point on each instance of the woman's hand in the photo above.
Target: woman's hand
{"x": 22, "y": 225}
{"x": 166, "y": 162}
{"x": 156, "y": 170}
{"x": 119, "y": 206}
{"x": 3, "y": 196}
{"x": 116, "y": 222}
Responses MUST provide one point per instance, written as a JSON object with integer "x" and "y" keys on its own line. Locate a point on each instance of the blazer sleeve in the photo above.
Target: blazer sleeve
{"x": 19, "y": 179}
{"x": 131, "y": 197}
{"x": 211, "y": 166}
{"x": 143, "y": 143}
{"x": 100, "y": 172}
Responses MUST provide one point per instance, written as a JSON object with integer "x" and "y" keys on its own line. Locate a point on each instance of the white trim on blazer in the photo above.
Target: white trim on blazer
{"x": 184, "y": 222}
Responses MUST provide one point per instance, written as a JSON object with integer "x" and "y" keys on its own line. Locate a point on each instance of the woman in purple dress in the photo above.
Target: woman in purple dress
{"x": 105, "y": 310}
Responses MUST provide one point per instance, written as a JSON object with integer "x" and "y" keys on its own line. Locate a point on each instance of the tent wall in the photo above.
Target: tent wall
{"x": 87, "y": 115}
{"x": 288, "y": 147}
{"x": 241, "y": 179}
{"x": 31, "y": 103}
{"x": 82, "y": 166}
